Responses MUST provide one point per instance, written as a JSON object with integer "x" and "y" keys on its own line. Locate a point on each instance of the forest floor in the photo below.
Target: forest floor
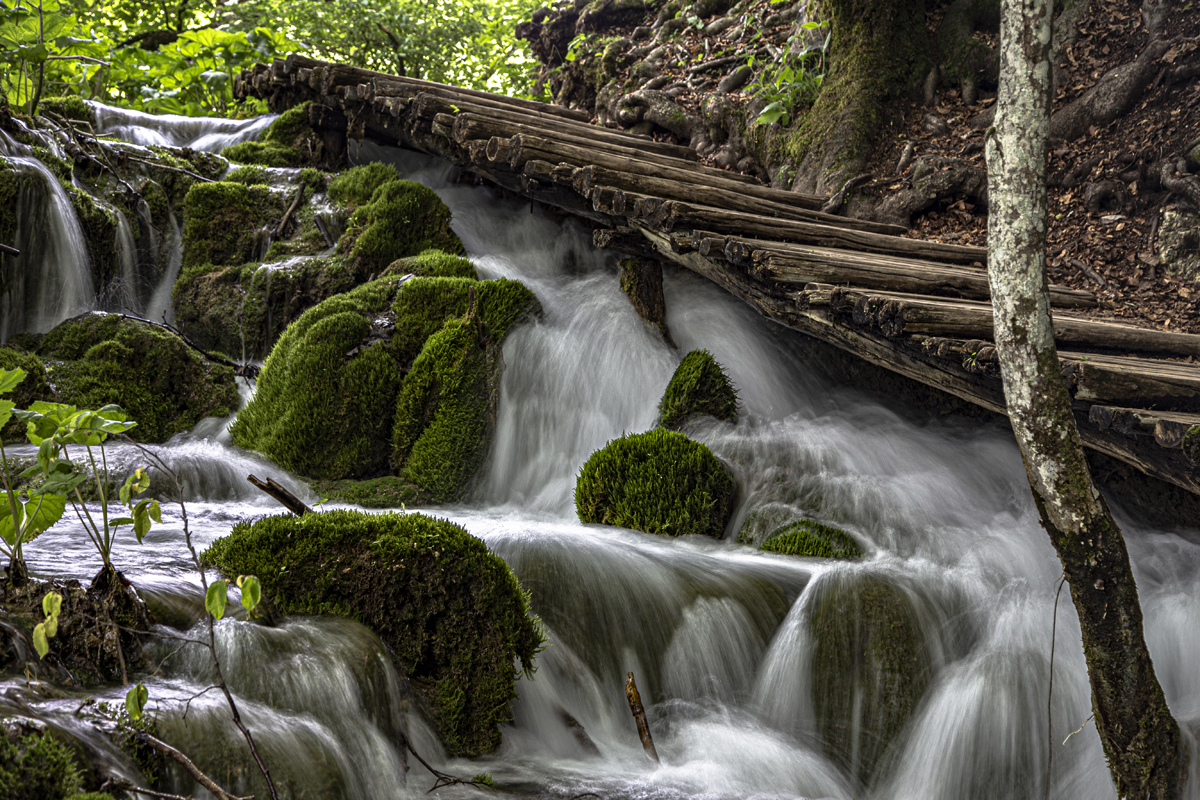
{"x": 1110, "y": 251}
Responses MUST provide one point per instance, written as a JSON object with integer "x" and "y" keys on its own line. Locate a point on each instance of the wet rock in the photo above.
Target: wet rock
{"x": 641, "y": 281}
{"x": 870, "y": 667}
{"x": 1179, "y": 243}
{"x": 736, "y": 79}
{"x": 808, "y": 537}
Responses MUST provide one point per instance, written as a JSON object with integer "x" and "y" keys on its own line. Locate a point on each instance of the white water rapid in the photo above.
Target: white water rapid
{"x": 720, "y": 636}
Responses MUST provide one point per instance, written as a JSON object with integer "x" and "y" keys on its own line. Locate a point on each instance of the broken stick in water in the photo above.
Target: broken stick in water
{"x": 639, "y": 714}
{"x": 290, "y": 501}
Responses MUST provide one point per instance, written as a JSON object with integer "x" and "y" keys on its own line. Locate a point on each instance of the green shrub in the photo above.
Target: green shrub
{"x": 163, "y": 384}
{"x": 807, "y": 537}
{"x": 449, "y": 608}
{"x": 657, "y": 482}
{"x": 699, "y": 386}
{"x": 36, "y": 766}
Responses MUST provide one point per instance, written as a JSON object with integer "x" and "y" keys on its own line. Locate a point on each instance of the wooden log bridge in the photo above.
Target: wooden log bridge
{"x": 917, "y": 308}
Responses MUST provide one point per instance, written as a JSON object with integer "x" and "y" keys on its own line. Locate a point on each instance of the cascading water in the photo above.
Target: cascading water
{"x": 726, "y": 642}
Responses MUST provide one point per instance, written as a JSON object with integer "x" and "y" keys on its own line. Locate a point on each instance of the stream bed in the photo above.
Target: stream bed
{"x": 720, "y": 636}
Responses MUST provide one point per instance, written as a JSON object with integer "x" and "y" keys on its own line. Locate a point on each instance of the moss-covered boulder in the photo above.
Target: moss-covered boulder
{"x": 392, "y": 378}
{"x": 657, "y": 482}
{"x": 224, "y": 221}
{"x": 870, "y": 667}
{"x": 433, "y": 264}
{"x": 289, "y": 142}
{"x": 33, "y": 387}
{"x": 699, "y": 386}
{"x": 449, "y": 608}
{"x": 807, "y": 537}
{"x": 392, "y": 218}
{"x": 163, "y": 384}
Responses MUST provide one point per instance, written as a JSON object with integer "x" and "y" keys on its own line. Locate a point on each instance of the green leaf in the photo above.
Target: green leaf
{"x": 41, "y": 513}
{"x": 10, "y": 378}
{"x": 6, "y": 409}
{"x": 40, "y": 643}
{"x": 51, "y": 605}
{"x": 11, "y": 518}
{"x": 251, "y": 592}
{"x": 216, "y": 599}
{"x": 775, "y": 112}
{"x": 135, "y": 700}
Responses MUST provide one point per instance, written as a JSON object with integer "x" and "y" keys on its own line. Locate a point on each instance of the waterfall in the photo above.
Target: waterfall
{"x": 736, "y": 651}
{"x": 171, "y": 130}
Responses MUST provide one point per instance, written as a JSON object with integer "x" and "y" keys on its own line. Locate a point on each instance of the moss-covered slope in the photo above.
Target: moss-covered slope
{"x": 162, "y": 383}
{"x": 807, "y": 537}
{"x": 288, "y": 142}
{"x": 657, "y": 482}
{"x": 699, "y": 386}
{"x": 449, "y": 608}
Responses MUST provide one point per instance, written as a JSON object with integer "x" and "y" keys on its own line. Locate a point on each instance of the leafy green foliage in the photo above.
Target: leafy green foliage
{"x": 135, "y": 700}
{"x": 791, "y": 82}
{"x": 657, "y": 482}
{"x": 807, "y": 537}
{"x": 158, "y": 379}
{"x": 32, "y": 386}
{"x": 48, "y": 628}
{"x": 448, "y": 607}
{"x": 36, "y": 766}
{"x": 699, "y": 386}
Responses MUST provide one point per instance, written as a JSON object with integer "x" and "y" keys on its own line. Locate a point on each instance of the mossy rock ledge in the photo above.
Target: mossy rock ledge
{"x": 288, "y": 142}
{"x": 699, "y": 386}
{"x": 870, "y": 667}
{"x": 807, "y": 537}
{"x": 398, "y": 377}
{"x": 164, "y": 385}
{"x": 656, "y": 482}
{"x": 449, "y": 608}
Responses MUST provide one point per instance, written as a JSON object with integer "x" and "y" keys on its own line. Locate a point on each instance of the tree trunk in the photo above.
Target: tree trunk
{"x": 1140, "y": 737}
{"x": 877, "y": 52}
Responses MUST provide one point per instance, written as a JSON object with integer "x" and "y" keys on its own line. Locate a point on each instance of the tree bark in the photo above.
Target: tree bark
{"x": 1140, "y": 737}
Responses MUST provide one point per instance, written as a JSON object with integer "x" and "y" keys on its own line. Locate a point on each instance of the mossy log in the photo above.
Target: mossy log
{"x": 450, "y": 610}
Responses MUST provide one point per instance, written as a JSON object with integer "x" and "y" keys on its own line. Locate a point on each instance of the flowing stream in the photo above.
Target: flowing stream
{"x": 719, "y": 635}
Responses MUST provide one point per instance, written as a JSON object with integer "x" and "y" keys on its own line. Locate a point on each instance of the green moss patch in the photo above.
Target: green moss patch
{"x": 33, "y": 387}
{"x": 160, "y": 382}
{"x": 387, "y": 491}
{"x": 71, "y": 107}
{"x": 450, "y": 609}
{"x": 807, "y": 537}
{"x": 433, "y": 264}
{"x": 657, "y": 482}
{"x": 699, "y": 386}
{"x": 249, "y": 176}
{"x": 870, "y": 667}
{"x": 288, "y": 142}
{"x": 336, "y": 398}
{"x": 393, "y": 218}
{"x": 36, "y": 766}
{"x": 222, "y": 222}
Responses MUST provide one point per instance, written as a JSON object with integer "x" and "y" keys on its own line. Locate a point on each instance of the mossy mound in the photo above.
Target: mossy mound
{"x": 657, "y": 482}
{"x": 387, "y": 491}
{"x": 249, "y": 176}
{"x": 449, "y": 608}
{"x": 870, "y": 667}
{"x": 342, "y": 394}
{"x": 157, "y": 379}
{"x": 393, "y": 218}
{"x": 71, "y": 107}
{"x": 433, "y": 264}
{"x": 33, "y": 387}
{"x": 223, "y": 222}
{"x": 699, "y": 386}
{"x": 807, "y": 537}
{"x": 288, "y": 142}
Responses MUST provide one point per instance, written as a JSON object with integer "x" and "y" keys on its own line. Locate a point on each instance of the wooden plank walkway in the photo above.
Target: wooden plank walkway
{"x": 917, "y": 308}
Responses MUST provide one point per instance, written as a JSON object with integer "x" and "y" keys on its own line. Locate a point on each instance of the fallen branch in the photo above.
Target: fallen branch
{"x": 122, "y": 785}
{"x": 639, "y": 714}
{"x": 12, "y": 251}
{"x": 290, "y": 501}
{"x": 201, "y": 778}
{"x": 1090, "y": 273}
{"x": 287, "y": 215}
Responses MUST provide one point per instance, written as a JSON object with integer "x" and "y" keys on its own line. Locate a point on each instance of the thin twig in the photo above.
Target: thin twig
{"x": 201, "y": 778}
{"x": 1050, "y": 693}
{"x": 1081, "y": 727}
{"x": 122, "y": 785}
{"x": 442, "y": 778}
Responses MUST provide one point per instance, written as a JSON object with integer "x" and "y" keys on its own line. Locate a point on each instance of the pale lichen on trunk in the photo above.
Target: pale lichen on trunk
{"x": 1140, "y": 738}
